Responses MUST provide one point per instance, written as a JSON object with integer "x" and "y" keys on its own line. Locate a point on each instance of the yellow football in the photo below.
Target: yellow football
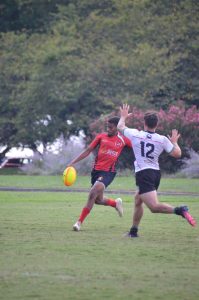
{"x": 69, "y": 176}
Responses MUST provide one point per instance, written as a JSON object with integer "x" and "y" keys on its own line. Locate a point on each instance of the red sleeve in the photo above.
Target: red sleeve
{"x": 95, "y": 142}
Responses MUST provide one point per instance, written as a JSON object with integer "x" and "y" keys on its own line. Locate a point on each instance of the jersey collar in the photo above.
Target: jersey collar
{"x": 151, "y": 132}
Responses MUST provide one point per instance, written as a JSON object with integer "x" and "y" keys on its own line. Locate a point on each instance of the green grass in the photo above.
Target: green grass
{"x": 42, "y": 258}
{"x": 123, "y": 183}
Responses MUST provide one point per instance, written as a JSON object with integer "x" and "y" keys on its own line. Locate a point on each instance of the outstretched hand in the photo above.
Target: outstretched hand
{"x": 124, "y": 111}
{"x": 174, "y": 136}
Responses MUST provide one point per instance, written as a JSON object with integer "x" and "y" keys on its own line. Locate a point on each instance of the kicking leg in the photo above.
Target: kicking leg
{"x": 96, "y": 192}
{"x": 116, "y": 203}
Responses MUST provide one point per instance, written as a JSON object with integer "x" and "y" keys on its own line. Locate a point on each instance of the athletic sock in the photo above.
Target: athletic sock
{"x": 111, "y": 202}
{"x": 180, "y": 209}
{"x": 177, "y": 211}
{"x": 84, "y": 213}
{"x": 133, "y": 230}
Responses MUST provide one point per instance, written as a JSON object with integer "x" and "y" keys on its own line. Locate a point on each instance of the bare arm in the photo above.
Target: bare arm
{"x": 176, "y": 152}
{"x": 124, "y": 114}
{"x": 82, "y": 155}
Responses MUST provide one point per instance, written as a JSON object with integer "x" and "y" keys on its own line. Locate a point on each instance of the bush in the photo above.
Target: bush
{"x": 191, "y": 168}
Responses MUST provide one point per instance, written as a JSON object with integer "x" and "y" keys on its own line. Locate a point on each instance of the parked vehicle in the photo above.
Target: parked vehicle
{"x": 14, "y": 162}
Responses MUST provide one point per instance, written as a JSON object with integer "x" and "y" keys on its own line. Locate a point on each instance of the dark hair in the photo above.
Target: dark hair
{"x": 114, "y": 120}
{"x": 151, "y": 119}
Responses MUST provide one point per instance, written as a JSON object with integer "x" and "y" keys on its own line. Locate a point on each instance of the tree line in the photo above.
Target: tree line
{"x": 66, "y": 63}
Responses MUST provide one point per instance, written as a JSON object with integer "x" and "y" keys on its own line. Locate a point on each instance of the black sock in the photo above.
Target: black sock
{"x": 177, "y": 211}
{"x": 134, "y": 229}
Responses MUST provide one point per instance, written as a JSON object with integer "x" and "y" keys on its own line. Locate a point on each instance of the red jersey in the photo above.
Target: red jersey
{"x": 109, "y": 151}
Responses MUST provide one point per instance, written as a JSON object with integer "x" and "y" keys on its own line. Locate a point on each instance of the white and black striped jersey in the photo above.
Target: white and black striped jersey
{"x": 147, "y": 147}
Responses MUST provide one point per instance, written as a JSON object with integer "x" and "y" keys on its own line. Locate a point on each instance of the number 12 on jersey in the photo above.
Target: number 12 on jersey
{"x": 147, "y": 149}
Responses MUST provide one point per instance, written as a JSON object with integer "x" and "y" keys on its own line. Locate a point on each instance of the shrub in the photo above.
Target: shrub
{"x": 191, "y": 165}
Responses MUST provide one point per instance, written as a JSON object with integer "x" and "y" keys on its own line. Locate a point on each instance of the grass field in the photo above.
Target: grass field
{"x": 124, "y": 183}
{"x": 42, "y": 258}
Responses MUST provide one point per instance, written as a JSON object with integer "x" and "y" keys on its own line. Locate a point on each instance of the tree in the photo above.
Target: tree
{"x": 27, "y": 15}
{"x": 66, "y": 63}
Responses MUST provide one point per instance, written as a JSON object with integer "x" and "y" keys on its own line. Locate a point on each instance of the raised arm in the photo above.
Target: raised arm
{"x": 81, "y": 156}
{"x": 124, "y": 114}
{"x": 176, "y": 152}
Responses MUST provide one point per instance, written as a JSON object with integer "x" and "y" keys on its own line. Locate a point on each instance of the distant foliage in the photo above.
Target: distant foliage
{"x": 65, "y": 63}
{"x": 191, "y": 165}
{"x": 185, "y": 120}
{"x": 51, "y": 163}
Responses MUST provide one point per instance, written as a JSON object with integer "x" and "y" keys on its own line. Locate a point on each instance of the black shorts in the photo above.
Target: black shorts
{"x": 102, "y": 176}
{"x": 147, "y": 180}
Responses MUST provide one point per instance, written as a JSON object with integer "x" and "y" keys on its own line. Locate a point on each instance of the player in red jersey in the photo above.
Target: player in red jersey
{"x": 110, "y": 145}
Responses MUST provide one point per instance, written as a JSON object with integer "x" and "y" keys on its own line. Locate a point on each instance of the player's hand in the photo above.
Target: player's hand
{"x": 70, "y": 165}
{"x": 174, "y": 136}
{"x": 124, "y": 111}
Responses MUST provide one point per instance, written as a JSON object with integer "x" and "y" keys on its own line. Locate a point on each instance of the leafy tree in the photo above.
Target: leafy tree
{"x": 66, "y": 63}
{"x": 29, "y": 15}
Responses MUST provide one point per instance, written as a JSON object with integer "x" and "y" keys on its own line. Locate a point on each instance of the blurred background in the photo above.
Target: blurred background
{"x": 67, "y": 65}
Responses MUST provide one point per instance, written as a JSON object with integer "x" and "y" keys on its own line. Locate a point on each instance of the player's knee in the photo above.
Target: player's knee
{"x": 96, "y": 192}
{"x": 98, "y": 201}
